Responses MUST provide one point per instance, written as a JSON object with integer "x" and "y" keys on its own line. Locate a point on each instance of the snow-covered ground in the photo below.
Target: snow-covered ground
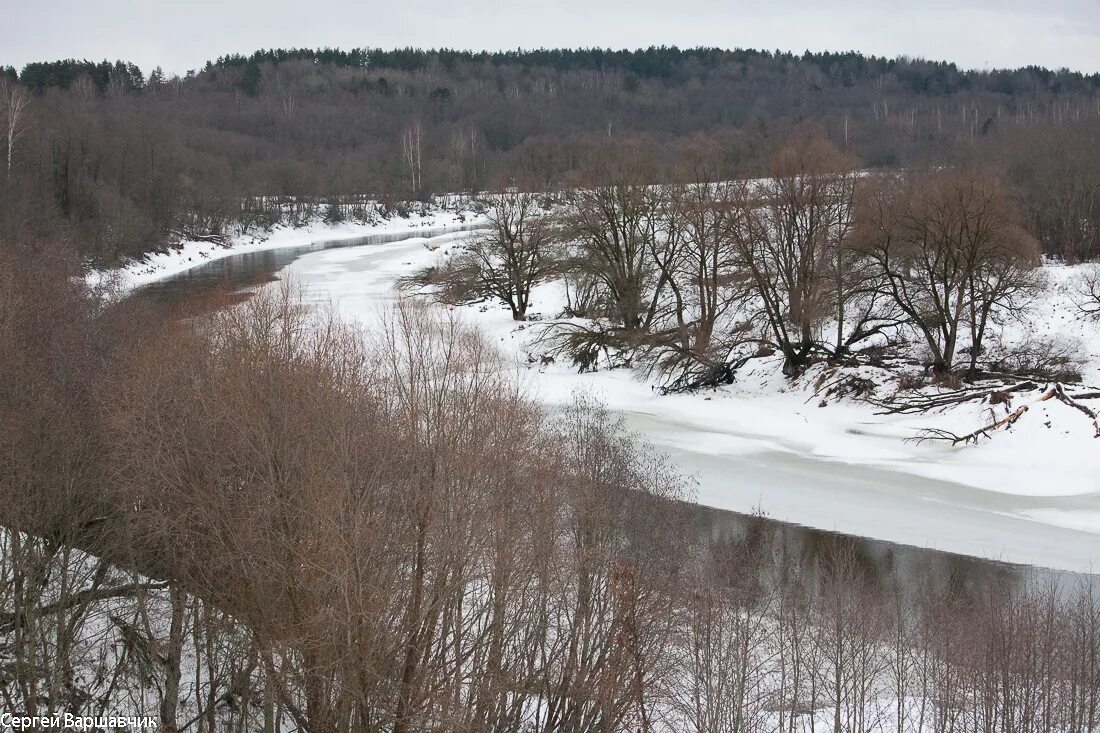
{"x": 1029, "y": 495}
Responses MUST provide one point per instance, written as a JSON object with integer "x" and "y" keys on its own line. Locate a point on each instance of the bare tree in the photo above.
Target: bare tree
{"x": 411, "y": 140}
{"x": 284, "y": 93}
{"x": 951, "y": 255}
{"x": 1086, "y": 291}
{"x": 705, "y": 284}
{"x": 617, "y": 228}
{"x": 259, "y": 520}
{"x": 14, "y": 99}
{"x": 83, "y": 87}
{"x": 505, "y": 261}
{"x": 792, "y": 243}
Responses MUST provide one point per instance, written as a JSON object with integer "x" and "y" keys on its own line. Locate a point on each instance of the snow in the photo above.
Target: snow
{"x": 188, "y": 254}
{"x": 1030, "y": 495}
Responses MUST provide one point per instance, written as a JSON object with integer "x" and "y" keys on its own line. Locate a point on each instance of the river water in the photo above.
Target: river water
{"x": 248, "y": 269}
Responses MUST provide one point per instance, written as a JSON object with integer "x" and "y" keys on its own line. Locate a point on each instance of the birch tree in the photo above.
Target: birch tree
{"x": 410, "y": 148}
{"x": 14, "y": 99}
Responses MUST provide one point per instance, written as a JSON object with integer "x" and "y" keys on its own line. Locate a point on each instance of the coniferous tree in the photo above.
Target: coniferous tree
{"x": 250, "y": 80}
{"x": 156, "y": 80}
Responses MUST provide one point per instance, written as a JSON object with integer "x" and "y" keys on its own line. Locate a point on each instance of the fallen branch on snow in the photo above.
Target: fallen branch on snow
{"x": 1057, "y": 392}
{"x": 943, "y": 400}
{"x": 1061, "y": 396}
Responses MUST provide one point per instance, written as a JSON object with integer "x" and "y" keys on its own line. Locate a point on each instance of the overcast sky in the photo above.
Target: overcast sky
{"x": 182, "y": 35}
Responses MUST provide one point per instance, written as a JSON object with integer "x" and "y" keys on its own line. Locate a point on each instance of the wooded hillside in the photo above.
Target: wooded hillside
{"x": 121, "y": 161}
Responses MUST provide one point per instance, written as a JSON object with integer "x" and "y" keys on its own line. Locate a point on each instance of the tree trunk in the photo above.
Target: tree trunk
{"x": 169, "y": 703}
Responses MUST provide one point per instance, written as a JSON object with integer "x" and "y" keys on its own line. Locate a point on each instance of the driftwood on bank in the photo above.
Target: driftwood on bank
{"x": 1072, "y": 401}
{"x": 1056, "y": 392}
{"x": 921, "y": 403}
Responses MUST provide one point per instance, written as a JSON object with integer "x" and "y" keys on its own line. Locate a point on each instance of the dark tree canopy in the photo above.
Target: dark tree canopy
{"x": 126, "y": 162}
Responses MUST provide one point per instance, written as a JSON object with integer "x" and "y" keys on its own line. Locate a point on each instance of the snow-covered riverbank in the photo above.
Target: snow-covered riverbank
{"x": 193, "y": 253}
{"x": 1029, "y": 495}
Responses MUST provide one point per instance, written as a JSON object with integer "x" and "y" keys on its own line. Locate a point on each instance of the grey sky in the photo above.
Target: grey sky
{"x": 182, "y": 35}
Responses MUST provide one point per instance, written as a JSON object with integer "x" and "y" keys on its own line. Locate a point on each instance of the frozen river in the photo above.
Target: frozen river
{"x": 736, "y": 470}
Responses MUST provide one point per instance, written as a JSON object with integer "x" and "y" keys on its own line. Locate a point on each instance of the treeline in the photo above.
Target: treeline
{"x": 819, "y": 261}
{"x": 121, "y": 162}
{"x": 297, "y": 526}
{"x": 64, "y": 74}
{"x": 848, "y": 68}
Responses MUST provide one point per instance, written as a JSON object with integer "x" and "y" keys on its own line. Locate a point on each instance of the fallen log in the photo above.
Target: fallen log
{"x": 947, "y": 436}
{"x": 944, "y": 400}
{"x": 1061, "y": 396}
{"x": 1057, "y": 392}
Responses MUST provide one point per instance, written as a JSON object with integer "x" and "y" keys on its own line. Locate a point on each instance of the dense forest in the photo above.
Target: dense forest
{"x": 117, "y": 161}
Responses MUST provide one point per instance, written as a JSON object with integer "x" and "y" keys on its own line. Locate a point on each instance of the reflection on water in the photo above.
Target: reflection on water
{"x": 759, "y": 543}
{"x": 248, "y": 269}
